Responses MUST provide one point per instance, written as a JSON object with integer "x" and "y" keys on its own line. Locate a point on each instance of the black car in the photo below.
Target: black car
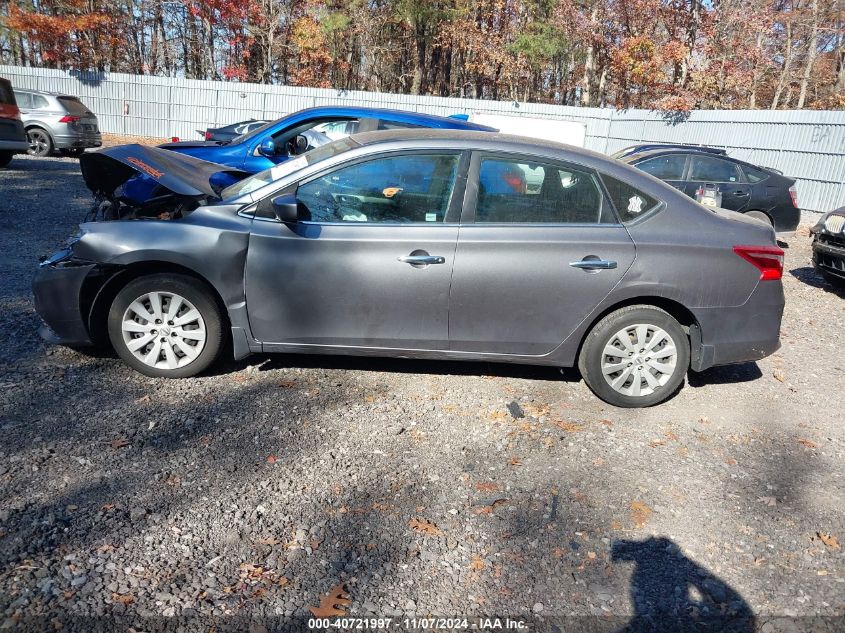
{"x": 230, "y": 132}
{"x": 829, "y": 247}
{"x": 12, "y": 134}
{"x": 758, "y": 192}
{"x": 647, "y": 147}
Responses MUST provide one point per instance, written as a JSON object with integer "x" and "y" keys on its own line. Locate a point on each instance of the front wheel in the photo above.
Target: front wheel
{"x": 635, "y": 357}
{"x": 166, "y": 326}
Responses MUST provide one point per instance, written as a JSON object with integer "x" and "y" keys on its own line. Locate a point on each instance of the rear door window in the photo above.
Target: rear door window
{"x": 513, "y": 191}
{"x": 39, "y": 102}
{"x": 709, "y": 169}
{"x": 669, "y": 167}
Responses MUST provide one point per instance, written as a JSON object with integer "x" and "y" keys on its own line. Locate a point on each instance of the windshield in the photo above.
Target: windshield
{"x": 276, "y": 172}
{"x": 251, "y": 133}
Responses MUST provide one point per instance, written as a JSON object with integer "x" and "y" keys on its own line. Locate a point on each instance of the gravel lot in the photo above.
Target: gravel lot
{"x": 237, "y": 500}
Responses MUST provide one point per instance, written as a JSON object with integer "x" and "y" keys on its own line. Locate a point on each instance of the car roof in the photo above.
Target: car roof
{"x": 425, "y": 138}
{"x": 387, "y": 114}
{"x": 644, "y": 147}
{"x": 45, "y": 93}
{"x": 677, "y": 150}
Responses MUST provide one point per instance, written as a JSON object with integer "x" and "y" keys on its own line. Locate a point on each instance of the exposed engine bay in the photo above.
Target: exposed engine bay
{"x": 139, "y": 182}
{"x": 167, "y": 206}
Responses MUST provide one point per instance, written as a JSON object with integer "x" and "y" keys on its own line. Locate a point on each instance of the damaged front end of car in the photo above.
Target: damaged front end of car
{"x": 136, "y": 182}
{"x": 73, "y": 287}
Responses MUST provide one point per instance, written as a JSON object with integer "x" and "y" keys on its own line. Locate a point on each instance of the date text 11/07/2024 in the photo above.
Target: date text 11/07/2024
{"x": 419, "y": 624}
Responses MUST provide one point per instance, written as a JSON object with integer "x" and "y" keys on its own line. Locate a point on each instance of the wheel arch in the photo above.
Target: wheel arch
{"x": 677, "y": 310}
{"x": 99, "y": 291}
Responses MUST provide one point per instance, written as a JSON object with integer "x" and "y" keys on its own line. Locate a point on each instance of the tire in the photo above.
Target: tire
{"x": 40, "y": 142}
{"x": 5, "y": 159}
{"x": 634, "y": 321}
{"x": 185, "y": 352}
{"x": 72, "y": 152}
{"x": 759, "y": 215}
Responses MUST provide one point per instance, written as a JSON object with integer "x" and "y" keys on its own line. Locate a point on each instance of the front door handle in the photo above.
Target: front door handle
{"x": 594, "y": 264}
{"x": 422, "y": 260}
{"x": 741, "y": 193}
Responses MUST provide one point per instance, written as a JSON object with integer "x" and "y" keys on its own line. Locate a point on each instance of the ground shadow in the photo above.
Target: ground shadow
{"x": 808, "y": 275}
{"x": 407, "y": 366}
{"x": 726, "y": 374}
{"x": 673, "y": 594}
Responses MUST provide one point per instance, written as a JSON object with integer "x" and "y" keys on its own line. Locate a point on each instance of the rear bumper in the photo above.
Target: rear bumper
{"x": 78, "y": 141}
{"x": 13, "y": 146}
{"x": 785, "y": 219}
{"x": 57, "y": 291}
{"x": 829, "y": 258}
{"x": 742, "y": 334}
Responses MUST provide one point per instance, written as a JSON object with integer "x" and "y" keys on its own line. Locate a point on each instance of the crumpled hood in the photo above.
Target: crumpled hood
{"x": 106, "y": 169}
{"x": 185, "y": 144}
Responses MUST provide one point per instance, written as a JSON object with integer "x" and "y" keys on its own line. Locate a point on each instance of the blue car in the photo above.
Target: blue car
{"x": 293, "y": 135}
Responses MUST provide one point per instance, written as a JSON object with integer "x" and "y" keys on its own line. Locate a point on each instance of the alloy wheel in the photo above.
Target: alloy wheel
{"x": 639, "y": 359}
{"x": 163, "y": 330}
{"x": 39, "y": 143}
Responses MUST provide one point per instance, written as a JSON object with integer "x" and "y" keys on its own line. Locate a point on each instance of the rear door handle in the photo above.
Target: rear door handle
{"x": 594, "y": 264}
{"x": 422, "y": 260}
{"x": 741, "y": 193}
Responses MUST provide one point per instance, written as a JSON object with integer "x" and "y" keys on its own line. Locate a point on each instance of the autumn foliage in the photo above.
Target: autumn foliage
{"x": 672, "y": 55}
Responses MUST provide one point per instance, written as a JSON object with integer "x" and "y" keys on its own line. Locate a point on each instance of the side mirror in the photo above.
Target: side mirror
{"x": 286, "y": 208}
{"x": 267, "y": 147}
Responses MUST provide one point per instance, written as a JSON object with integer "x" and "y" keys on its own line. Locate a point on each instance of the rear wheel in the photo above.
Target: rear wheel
{"x": 5, "y": 159}
{"x": 635, "y": 357}
{"x": 166, "y": 326}
{"x": 40, "y": 143}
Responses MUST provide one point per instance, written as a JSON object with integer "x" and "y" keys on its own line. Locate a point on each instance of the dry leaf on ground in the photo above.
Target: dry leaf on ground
{"x": 806, "y": 443}
{"x": 640, "y": 513}
{"x": 120, "y": 442}
{"x": 425, "y": 526}
{"x": 769, "y": 501}
{"x": 569, "y": 427}
{"x": 332, "y": 604}
{"x": 828, "y": 539}
{"x": 486, "y": 486}
{"x": 122, "y": 599}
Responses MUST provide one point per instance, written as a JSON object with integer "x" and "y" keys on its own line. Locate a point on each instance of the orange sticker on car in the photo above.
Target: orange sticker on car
{"x": 150, "y": 171}
{"x": 389, "y": 192}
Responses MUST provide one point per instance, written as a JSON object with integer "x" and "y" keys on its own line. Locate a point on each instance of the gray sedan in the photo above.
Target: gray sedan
{"x": 423, "y": 244}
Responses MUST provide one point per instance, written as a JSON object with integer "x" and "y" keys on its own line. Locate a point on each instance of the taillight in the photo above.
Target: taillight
{"x": 70, "y": 118}
{"x": 208, "y": 135}
{"x": 9, "y": 111}
{"x": 793, "y": 193}
{"x": 767, "y": 259}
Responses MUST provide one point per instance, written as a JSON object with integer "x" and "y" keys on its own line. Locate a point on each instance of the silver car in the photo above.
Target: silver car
{"x": 55, "y": 121}
{"x": 417, "y": 244}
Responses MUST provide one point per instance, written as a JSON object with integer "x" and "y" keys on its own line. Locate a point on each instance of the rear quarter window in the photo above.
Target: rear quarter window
{"x": 7, "y": 96}
{"x": 630, "y": 202}
{"x": 754, "y": 175}
{"x": 73, "y": 105}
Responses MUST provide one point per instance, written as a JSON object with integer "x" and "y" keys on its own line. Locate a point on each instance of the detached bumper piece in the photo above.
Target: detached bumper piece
{"x": 829, "y": 254}
{"x": 57, "y": 289}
